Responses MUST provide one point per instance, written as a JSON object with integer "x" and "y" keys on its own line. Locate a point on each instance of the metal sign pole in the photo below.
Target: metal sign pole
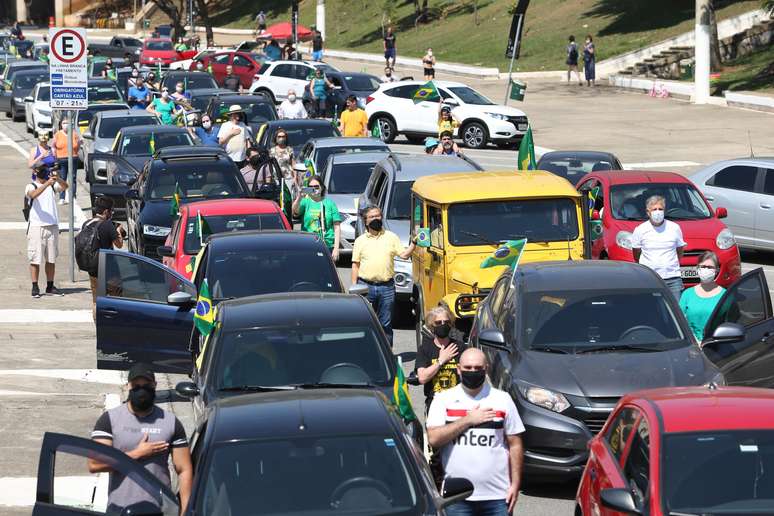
{"x": 71, "y": 174}
{"x": 513, "y": 56}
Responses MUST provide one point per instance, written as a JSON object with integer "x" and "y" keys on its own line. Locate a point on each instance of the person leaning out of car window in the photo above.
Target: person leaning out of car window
{"x": 698, "y": 303}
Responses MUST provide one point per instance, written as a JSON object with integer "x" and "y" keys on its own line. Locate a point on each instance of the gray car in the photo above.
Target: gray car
{"x": 745, "y": 187}
{"x": 318, "y": 150}
{"x": 389, "y": 187}
{"x": 20, "y": 86}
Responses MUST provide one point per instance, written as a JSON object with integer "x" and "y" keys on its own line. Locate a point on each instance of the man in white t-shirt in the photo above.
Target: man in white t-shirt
{"x": 658, "y": 243}
{"x": 292, "y": 108}
{"x": 43, "y": 230}
{"x": 477, "y": 429}
{"x": 233, "y": 135}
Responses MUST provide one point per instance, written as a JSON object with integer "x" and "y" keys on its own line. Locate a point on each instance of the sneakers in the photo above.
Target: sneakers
{"x": 35, "y": 292}
{"x": 53, "y": 291}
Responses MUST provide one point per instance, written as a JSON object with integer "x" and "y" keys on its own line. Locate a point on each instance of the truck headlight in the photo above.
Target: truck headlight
{"x": 624, "y": 239}
{"x": 545, "y": 398}
{"x": 159, "y": 231}
{"x": 725, "y": 239}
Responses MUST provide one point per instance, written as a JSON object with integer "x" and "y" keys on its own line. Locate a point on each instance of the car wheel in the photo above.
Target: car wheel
{"x": 474, "y": 135}
{"x": 419, "y": 317}
{"x": 387, "y": 127}
{"x": 578, "y": 510}
{"x": 29, "y": 129}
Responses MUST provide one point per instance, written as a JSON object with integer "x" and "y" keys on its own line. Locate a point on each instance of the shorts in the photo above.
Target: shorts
{"x": 389, "y": 53}
{"x": 317, "y": 55}
{"x": 42, "y": 244}
{"x": 430, "y": 72}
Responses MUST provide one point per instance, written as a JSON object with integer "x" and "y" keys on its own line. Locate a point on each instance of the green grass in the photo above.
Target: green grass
{"x": 753, "y": 72}
{"x": 618, "y": 26}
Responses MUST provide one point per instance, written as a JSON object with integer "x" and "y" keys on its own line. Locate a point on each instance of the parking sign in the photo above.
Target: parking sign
{"x": 67, "y": 64}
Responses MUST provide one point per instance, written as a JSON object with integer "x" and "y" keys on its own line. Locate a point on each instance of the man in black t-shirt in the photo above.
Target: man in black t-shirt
{"x": 390, "y": 48}
{"x": 109, "y": 236}
{"x": 231, "y": 81}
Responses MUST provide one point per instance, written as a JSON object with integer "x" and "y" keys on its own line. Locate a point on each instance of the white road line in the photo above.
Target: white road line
{"x": 5, "y": 140}
{"x": 29, "y": 316}
{"x": 108, "y": 377}
{"x": 6, "y": 392}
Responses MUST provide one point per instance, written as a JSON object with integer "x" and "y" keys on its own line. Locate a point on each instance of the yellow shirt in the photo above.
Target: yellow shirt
{"x": 375, "y": 254}
{"x": 447, "y": 125}
{"x": 353, "y": 123}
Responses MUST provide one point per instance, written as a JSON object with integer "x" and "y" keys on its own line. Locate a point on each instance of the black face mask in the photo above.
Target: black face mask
{"x": 255, "y": 161}
{"x": 142, "y": 397}
{"x": 442, "y": 330}
{"x": 375, "y": 224}
{"x": 473, "y": 379}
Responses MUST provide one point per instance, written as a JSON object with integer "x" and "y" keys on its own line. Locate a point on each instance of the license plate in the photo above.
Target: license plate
{"x": 523, "y": 127}
{"x": 689, "y": 272}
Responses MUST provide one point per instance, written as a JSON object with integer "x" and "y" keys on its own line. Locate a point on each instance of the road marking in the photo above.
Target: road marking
{"x": 109, "y": 377}
{"x": 5, "y": 392}
{"x": 29, "y": 316}
{"x": 5, "y": 140}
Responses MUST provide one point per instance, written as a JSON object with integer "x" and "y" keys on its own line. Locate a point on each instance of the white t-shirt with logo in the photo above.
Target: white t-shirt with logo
{"x": 659, "y": 247}
{"x": 480, "y": 454}
{"x": 43, "y": 211}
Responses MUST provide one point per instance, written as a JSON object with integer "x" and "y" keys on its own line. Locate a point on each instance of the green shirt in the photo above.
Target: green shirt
{"x": 309, "y": 211}
{"x": 698, "y": 310}
{"x": 165, "y": 110}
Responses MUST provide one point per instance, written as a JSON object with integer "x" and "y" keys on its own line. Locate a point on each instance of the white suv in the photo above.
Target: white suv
{"x": 481, "y": 120}
{"x": 275, "y": 78}
{"x": 37, "y": 109}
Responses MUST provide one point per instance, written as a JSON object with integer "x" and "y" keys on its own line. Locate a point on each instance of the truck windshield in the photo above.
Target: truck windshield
{"x": 539, "y": 220}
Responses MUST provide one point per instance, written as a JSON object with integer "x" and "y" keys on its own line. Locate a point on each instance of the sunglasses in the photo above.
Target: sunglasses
{"x": 439, "y": 322}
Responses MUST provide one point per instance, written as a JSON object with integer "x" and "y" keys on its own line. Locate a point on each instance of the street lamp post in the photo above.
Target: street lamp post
{"x": 701, "y": 70}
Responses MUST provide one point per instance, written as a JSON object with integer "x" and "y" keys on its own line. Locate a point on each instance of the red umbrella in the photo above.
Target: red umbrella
{"x": 284, "y": 30}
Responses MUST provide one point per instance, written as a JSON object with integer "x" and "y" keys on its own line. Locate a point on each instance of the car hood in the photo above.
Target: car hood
{"x": 137, "y": 161}
{"x": 344, "y": 202}
{"x": 614, "y": 374}
{"x": 400, "y": 227}
{"x": 156, "y": 213}
{"x": 699, "y": 229}
{"x": 102, "y": 144}
{"x": 495, "y": 108}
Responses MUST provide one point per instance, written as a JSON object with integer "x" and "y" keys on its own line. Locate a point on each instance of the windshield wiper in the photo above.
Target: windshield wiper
{"x": 548, "y": 349}
{"x": 617, "y": 348}
{"x": 481, "y": 238}
{"x": 258, "y": 388}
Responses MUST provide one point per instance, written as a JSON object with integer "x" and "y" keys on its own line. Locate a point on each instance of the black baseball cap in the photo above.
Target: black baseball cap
{"x": 141, "y": 370}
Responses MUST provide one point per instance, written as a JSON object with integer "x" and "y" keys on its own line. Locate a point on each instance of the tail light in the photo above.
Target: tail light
{"x": 369, "y": 99}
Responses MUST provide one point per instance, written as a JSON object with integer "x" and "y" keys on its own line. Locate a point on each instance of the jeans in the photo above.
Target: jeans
{"x": 382, "y": 299}
{"x": 64, "y": 174}
{"x": 478, "y": 508}
{"x": 675, "y": 285}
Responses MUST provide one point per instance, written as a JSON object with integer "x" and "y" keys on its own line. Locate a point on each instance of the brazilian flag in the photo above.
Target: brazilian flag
{"x": 202, "y": 228}
{"x": 423, "y": 237}
{"x": 428, "y": 92}
{"x": 286, "y": 201}
{"x": 507, "y": 254}
{"x": 376, "y": 130}
{"x": 527, "y": 152}
{"x": 152, "y": 144}
{"x": 309, "y": 171}
{"x": 593, "y": 199}
{"x": 189, "y": 267}
{"x": 174, "y": 204}
{"x": 400, "y": 394}
{"x": 204, "y": 318}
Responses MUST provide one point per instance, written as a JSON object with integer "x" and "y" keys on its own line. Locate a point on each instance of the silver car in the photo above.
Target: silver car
{"x": 745, "y": 187}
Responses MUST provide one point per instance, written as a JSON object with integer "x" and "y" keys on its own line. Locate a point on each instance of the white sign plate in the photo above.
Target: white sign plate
{"x": 68, "y": 68}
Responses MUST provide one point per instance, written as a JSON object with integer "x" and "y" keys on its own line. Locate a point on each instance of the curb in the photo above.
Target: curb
{"x": 745, "y": 100}
{"x": 407, "y": 62}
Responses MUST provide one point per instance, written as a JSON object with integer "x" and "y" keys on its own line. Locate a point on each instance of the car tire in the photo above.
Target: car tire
{"x": 419, "y": 316}
{"x": 30, "y": 130}
{"x": 387, "y": 126}
{"x": 578, "y": 510}
{"x": 474, "y": 135}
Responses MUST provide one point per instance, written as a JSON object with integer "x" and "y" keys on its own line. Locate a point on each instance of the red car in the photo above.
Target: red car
{"x": 245, "y": 65}
{"x": 157, "y": 51}
{"x": 221, "y": 215}
{"x": 620, "y": 205}
{"x": 683, "y": 451}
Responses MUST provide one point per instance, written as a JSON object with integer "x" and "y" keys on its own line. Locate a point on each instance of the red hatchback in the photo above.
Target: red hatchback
{"x": 245, "y": 65}
{"x": 620, "y": 205}
{"x": 157, "y": 51}
{"x": 683, "y": 451}
{"x": 221, "y": 216}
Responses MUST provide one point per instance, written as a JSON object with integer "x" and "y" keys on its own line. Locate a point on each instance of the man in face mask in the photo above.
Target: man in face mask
{"x": 373, "y": 256}
{"x": 146, "y": 433}
{"x": 292, "y": 108}
{"x": 477, "y": 428}
{"x": 658, "y": 243}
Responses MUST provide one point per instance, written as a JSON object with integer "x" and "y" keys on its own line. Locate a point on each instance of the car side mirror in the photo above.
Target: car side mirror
{"x": 187, "y": 390}
{"x": 620, "y": 500}
{"x": 360, "y": 289}
{"x": 132, "y": 194}
{"x": 721, "y": 213}
{"x": 455, "y": 490}
{"x": 412, "y": 378}
{"x": 87, "y": 135}
{"x": 28, "y": 99}
{"x": 165, "y": 251}
{"x": 726, "y": 333}
{"x": 493, "y": 339}
{"x": 180, "y": 299}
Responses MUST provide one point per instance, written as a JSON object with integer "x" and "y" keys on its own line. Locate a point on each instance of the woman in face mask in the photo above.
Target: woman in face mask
{"x": 698, "y": 303}
{"x": 283, "y": 153}
{"x": 207, "y": 132}
{"x": 319, "y": 215}
{"x": 163, "y": 107}
{"x": 428, "y": 63}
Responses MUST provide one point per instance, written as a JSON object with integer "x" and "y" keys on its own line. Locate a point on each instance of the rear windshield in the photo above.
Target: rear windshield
{"x": 573, "y": 169}
{"x": 147, "y": 144}
{"x": 191, "y": 82}
{"x": 202, "y": 178}
{"x": 349, "y": 178}
{"x": 158, "y": 45}
{"x": 104, "y": 94}
{"x": 85, "y": 116}
{"x": 321, "y": 159}
{"x": 109, "y": 127}
{"x": 228, "y": 223}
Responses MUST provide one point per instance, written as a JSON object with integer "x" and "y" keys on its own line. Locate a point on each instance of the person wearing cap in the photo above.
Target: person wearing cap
{"x": 234, "y": 134}
{"x": 147, "y": 434}
{"x": 430, "y": 145}
{"x": 446, "y": 120}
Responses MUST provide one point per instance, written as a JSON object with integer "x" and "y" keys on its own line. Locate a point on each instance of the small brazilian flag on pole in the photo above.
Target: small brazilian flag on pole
{"x": 423, "y": 237}
{"x": 152, "y": 144}
{"x": 527, "y": 152}
{"x": 518, "y": 90}
{"x": 202, "y": 228}
{"x": 204, "y": 318}
{"x": 507, "y": 254}
{"x": 593, "y": 199}
{"x": 427, "y": 91}
{"x": 174, "y": 203}
{"x": 401, "y": 396}
{"x": 309, "y": 171}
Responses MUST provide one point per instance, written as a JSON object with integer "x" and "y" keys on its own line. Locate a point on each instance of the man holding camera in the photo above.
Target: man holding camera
{"x": 109, "y": 235}
{"x": 43, "y": 228}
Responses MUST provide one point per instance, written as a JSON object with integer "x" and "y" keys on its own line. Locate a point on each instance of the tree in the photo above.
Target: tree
{"x": 174, "y": 9}
{"x": 203, "y": 8}
{"x": 716, "y": 60}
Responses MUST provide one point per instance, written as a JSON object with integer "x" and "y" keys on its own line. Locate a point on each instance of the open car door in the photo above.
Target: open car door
{"x": 144, "y": 314}
{"x": 120, "y": 175}
{"x": 63, "y": 490}
{"x": 739, "y": 337}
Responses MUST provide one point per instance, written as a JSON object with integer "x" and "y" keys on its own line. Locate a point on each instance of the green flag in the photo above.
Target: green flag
{"x": 518, "y": 90}
{"x": 401, "y": 396}
{"x": 427, "y": 91}
{"x": 507, "y": 254}
{"x": 527, "y": 152}
{"x": 423, "y": 237}
{"x": 335, "y": 119}
{"x": 174, "y": 203}
{"x": 152, "y": 144}
{"x": 204, "y": 318}
{"x": 209, "y": 68}
{"x": 376, "y": 130}
{"x": 202, "y": 228}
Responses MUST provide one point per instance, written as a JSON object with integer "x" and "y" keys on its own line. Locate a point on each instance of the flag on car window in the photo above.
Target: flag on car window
{"x": 507, "y": 254}
{"x": 518, "y": 90}
{"x": 189, "y": 267}
{"x": 423, "y": 237}
{"x": 593, "y": 199}
{"x": 401, "y": 396}
{"x": 527, "y": 152}
{"x": 204, "y": 318}
{"x": 202, "y": 228}
{"x": 152, "y": 144}
{"x": 174, "y": 203}
{"x": 427, "y": 91}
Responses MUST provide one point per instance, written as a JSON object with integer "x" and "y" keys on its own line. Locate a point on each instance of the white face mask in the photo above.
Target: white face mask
{"x": 430, "y": 53}
{"x": 706, "y": 275}
{"x": 292, "y": 98}
{"x": 164, "y": 94}
{"x": 657, "y": 216}
{"x": 207, "y": 124}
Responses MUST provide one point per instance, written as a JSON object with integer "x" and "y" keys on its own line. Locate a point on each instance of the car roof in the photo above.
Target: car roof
{"x": 698, "y": 409}
{"x": 231, "y": 207}
{"x": 300, "y": 413}
{"x": 488, "y": 185}
{"x": 266, "y": 239}
{"x": 357, "y": 157}
{"x": 30, "y": 73}
{"x": 442, "y": 84}
{"x": 616, "y": 177}
{"x": 144, "y": 129}
{"x": 299, "y": 122}
{"x": 346, "y": 141}
{"x": 117, "y": 113}
{"x": 766, "y": 161}
{"x": 410, "y": 167}
{"x": 576, "y": 154}
{"x": 187, "y": 72}
{"x": 568, "y": 275}
{"x": 235, "y": 98}
{"x": 186, "y": 151}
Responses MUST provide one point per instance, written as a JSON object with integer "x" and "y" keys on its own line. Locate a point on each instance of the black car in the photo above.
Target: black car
{"x": 258, "y": 108}
{"x": 200, "y": 98}
{"x": 191, "y": 80}
{"x": 145, "y": 310}
{"x": 568, "y": 339}
{"x": 12, "y": 98}
{"x": 104, "y": 90}
{"x": 322, "y": 452}
{"x": 573, "y": 165}
{"x": 299, "y": 132}
{"x": 196, "y": 173}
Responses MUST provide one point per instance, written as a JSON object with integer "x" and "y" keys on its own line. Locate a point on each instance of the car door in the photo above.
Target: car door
{"x": 282, "y": 78}
{"x": 750, "y": 361}
{"x": 141, "y": 314}
{"x": 435, "y": 266}
{"x": 62, "y": 455}
{"x": 764, "y": 211}
{"x": 400, "y": 105}
{"x": 244, "y": 68}
{"x": 637, "y": 466}
{"x": 732, "y": 187}
{"x": 219, "y": 62}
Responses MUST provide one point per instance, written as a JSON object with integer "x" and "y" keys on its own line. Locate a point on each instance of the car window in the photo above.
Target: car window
{"x": 361, "y": 82}
{"x": 379, "y": 185}
{"x": 191, "y": 82}
{"x": 220, "y": 59}
{"x": 44, "y": 94}
{"x": 229, "y": 223}
{"x": 683, "y": 201}
{"x": 572, "y": 168}
{"x": 130, "y": 277}
{"x": 299, "y": 134}
{"x": 736, "y": 177}
{"x": 498, "y": 296}
{"x": 349, "y": 178}
{"x": 404, "y": 92}
{"x": 418, "y": 214}
{"x": 435, "y": 224}
{"x": 242, "y": 61}
{"x": 109, "y": 127}
{"x": 158, "y": 45}
{"x": 104, "y": 93}
{"x": 203, "y": 178}
{"x": 618, "y": 433}
{"x": 470, "y": 96}
{"x": 283, "y": 70}
{"x": 263, "y": 68}
{"x": 744, "y": 303}
{"x": 302, "y": 72}
{"x": 768, "y": 183}
{"x": 637, "y": 465}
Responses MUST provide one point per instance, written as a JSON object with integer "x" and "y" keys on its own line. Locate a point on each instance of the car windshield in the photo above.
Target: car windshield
{"x": 691, "y": 462}
{"x": 104, "y": 93}
{"x": 470, "y": 96}
{"x": 572, "y": 168}
{"x": 195, "y": 178}
{"x": 149, "y": 143}
{"x": 158, "y": 45}
{"x": 349, "y": 178}
{"x": 683, "y": 201}
{"x": 256, "y": 112}
{"x": 321, "y": 158}
{"x": 229, "y": 223}
{"x": 199, "y": 102}
{"x": 353, "y": 475}
{"x": 109, "y": 127}
{"x": 44, "y": 93}
{"x": 28, "y": 81}
{"x": 191, "y": 82}
{"x": 539, "y": 220}
{"x": 581, "y": 320}
{"x": 85, "y": 116}
{"x": 361, "y": 83}
{"x": 298, "y": 135}
{"x": 400, "y": 201}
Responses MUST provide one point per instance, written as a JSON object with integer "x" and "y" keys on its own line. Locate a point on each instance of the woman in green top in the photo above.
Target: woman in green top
{"x": 319, "y": 215}
{"x": 163, "y": 107}
{"x": 698, "y": 303}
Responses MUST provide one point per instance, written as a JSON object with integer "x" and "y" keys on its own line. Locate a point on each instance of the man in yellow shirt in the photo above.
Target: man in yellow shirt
{"x": 373, "y": 264}
{"x": 354, "y": 121}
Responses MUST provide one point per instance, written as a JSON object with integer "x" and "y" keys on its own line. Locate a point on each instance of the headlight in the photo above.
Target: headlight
{"x": 126, "y": 179}
{"x": 718, "y": 380}
{"x": 725, "y": 239}
{"x": 44, "y": 112}
{"x": 159, "y": 231}
{"x": 498, "y": 116}
{"x": 402, "y": 265}
{"x": 138, "y": 51}
{"x": 544, "y": 398}
{"x": 18, "y": 99}
{"x": 624, "y": 239}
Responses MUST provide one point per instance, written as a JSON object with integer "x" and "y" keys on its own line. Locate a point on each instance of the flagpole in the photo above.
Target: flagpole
{"x": 513, "y": 56}
{"x": 201, "y": 230}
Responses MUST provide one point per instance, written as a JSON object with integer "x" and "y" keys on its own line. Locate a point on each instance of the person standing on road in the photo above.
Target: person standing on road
{"x": 41, "y": 153}
{"x": 147, "y": 434}
{"x": 428, "y": 65}
{"x": 231, "y": 81}
{"x": 234, "y": 135}
{"x": 60, "y": 149}
{"x": 260, "y": 21}
{"x": 207, "y": 132}
{"x": 319, "y": 215}
{"x": 390, "y": 48}
{"x": 318, "y": 91}
{"x": 354, "y": 121}
{"x": 283, "y": 153}
{"x": 698, "y": 303}
{"x": 589, "y": 61}
{"x": 43, "y": 227}
{"x": 318, "y": 46}
{"x": 139, "y": 95}
{"x": 109, "y": 236}
{"x": 572, "y": 59}
{"x": 291, "y": 108}
{"x": 373, "y": 256}
{"x": 658, "y": 243}
{"x": 478, "y": 430}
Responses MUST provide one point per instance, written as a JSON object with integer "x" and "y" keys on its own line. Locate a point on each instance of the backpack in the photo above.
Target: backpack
{"x": 87, "y": 247}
